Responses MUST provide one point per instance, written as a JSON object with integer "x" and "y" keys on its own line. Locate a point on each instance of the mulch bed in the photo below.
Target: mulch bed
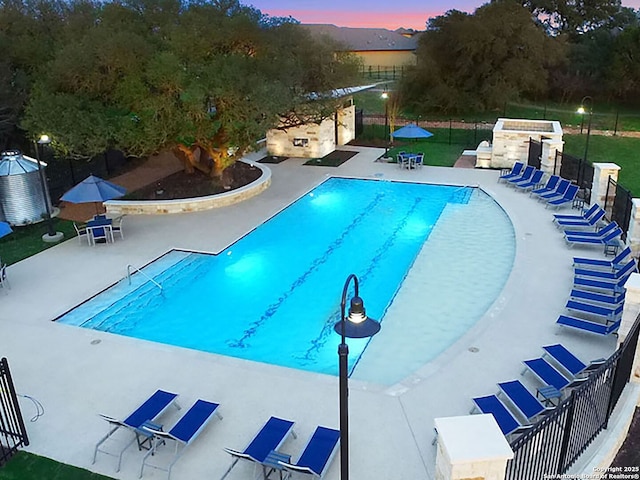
{"x": 629, "y": 453}
{"x": 272, "y": 159}
{"x": 197, "y": 184}
{"x": 334, "y": 159}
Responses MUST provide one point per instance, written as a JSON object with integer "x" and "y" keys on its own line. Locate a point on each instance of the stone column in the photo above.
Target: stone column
{"x": 629, "y": 314}
{"x": 471, "y": 447}
{"x": 548, "y": 155}
{"x": 601, "y": 174}
{"x": 633, "y": 234}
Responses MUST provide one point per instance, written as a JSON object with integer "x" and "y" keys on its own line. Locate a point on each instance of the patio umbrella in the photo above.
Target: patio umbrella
{"x": 5, "y": 229}
{"x": 93, "y": 189}
{"x": 411, "y": 131}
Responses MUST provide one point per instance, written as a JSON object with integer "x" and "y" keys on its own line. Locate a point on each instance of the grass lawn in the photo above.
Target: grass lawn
{"x": 27, "y": 241}
{"x": 26, "y": 466}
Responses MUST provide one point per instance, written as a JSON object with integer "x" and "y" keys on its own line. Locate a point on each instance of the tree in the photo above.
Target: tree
{"x": 573, "y": 16}
{"x": 480, "y": 61}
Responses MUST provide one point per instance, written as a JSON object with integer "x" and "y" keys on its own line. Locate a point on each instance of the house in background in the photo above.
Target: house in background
{"x": 313, "y": 140}
{"x": 377, "y": 47}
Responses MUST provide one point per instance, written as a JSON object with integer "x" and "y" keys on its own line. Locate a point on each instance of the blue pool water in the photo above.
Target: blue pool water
{"x": 274, "y": 295}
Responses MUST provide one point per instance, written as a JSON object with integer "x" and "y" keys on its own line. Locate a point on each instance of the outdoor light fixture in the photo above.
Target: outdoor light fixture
{"x": 586, "y": 107}
{"x": 385, "y": 97}
{"x": 356, "y": 325}
{"x": 51, "y": 235}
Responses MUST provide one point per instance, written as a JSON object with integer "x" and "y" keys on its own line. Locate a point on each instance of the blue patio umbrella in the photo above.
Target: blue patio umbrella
{"x": 5, "y": 229}
{"x": 411, "y": 131}
{"x": 93, "y": 190}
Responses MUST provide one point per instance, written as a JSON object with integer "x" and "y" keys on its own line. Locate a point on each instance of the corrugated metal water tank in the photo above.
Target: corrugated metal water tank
{"x": 21, "y": 196}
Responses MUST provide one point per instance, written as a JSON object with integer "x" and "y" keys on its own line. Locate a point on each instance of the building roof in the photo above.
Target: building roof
{"x": 365, "y": 39}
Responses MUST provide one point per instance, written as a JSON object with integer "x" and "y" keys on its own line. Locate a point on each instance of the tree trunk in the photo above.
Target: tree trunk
{"x": 191, "y": 158}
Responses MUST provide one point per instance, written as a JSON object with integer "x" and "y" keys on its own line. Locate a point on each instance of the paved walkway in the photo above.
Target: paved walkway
{"x": 77, "y": 373}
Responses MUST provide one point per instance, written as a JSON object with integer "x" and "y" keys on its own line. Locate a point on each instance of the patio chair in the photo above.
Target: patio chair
{"x": 515, "y": 172}
{"x": 317, "y": 455}
{"x": 183, "y": 433}
{"x": 523, "y": 400}
{"x": 535, "y": 179}
{"x": 610, "y": 299}
{"x": 606, "y": 313}
{"x": 419, "y": 160}
{"x": 549, "y": 375}
{"x": 568, "y": 197}
{"x": 591, "y": 221}
{"x": 525, "y": 176}
{"x": 116, "y": 226}
{"x": 270, "y": 437}
{"x": 588, "y": 325}
{"x": 600, "y": 233}
{"x": 579, "y": 217}
{"x": 610, "y": 287}
{"x": 551, "y": 185}
{"x": 569, "y": 362}
{"x": 508, "y": 424}
{"x": 628, "y": 267}
{"x": 150, "y": 409}
{"x": 614, "y": 264}
{"x": 81, "y": 231}
{"x": 561, "y": 188}
{"x": 611, "y": 238}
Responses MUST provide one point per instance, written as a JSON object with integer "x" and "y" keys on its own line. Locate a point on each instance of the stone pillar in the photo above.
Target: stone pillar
{"x": 548, "y": 156}
{"x": 601, "y": 174}
{"x": 629, "y": 314}
{"x": 471, "y": 447}
{"x": 633, "y": 234}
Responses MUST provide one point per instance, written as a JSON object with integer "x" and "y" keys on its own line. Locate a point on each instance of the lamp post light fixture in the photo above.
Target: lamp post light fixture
{"x": 385, "y": 97}
{"x": 51, "y": 236}
{"x": 356, "y": 325}
{"x": 586, "y": 106}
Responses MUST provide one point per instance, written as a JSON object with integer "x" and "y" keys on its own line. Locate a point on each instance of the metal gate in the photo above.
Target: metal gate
{"x": 13, "y": 433}
{"x": 535, "y": 151}
{"x": 359, "y": 122}
{"x": 620, "y": 208}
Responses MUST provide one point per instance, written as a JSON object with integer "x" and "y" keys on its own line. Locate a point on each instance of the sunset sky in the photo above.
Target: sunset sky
{"x": 372, "y": 13}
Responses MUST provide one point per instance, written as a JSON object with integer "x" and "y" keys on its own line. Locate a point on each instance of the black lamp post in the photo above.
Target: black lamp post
{"x": 51, "y": 235}
{"x": 356, "y": 325}
{"x": 586, "y": 106}
{"x": 385, "y": 97}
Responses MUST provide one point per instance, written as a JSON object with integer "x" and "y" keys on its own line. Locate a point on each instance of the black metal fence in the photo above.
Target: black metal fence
{"x": 577, "y": 170}
{"x": 618, "y": 204}
{"x": 535, "y": 151}
{"x": 64, "y": 173}
{"x": 359, "y": 127}
{"x": 553, "y": 444}
{"x": 383, "y": 72}
{"x": 13, "y": 433}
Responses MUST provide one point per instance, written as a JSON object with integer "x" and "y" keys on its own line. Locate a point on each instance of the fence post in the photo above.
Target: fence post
{"x": 471, "y": 447}
{"x": 548, "y": 156}
{"x": 629, "y": 314}
{"x": 601, "y": 174}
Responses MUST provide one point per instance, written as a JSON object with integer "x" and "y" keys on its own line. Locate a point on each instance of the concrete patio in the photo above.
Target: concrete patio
{"x": 77, "y": 373}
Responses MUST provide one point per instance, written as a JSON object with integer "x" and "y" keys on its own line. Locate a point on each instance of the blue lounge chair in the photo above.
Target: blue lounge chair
{"x": 183, "y": 433}
{"x": 508, "y": 424}
{"x": 600, "y": 233}
{"x": 568, "y": 197}
{"x": 531, "y": 183}
{"x": 317, "y": 454}
{"x": 579, "y": 217}
{"x": 614, "y": 264}
{"x": 561, "y": 188}
{"x": 270, "y": 437}
{"x": 609, "y": 299}
{"x": 568, "y": 361}
{"x": 629, "y": 267}
{"x": 525, "y": 176}
{"x": 610, "y": 287}
{"x": 588, "y": 326}
{"x": 515, "y": 172}
{"x": 551, "y": 185}
{"x": 591, "y": 222}
{"x": 521, "y": 398}
{"x": 606, "y": 313}
{"x": 611, "y": 238}
{"x": 152, "y": 408}
{"x": 549, "y": 375}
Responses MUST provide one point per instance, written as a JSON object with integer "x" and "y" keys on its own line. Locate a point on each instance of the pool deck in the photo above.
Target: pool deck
{"x": 77, "y": 373}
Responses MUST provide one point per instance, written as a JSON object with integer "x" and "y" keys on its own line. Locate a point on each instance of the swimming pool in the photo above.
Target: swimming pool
{"x": 274, "y": 295}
